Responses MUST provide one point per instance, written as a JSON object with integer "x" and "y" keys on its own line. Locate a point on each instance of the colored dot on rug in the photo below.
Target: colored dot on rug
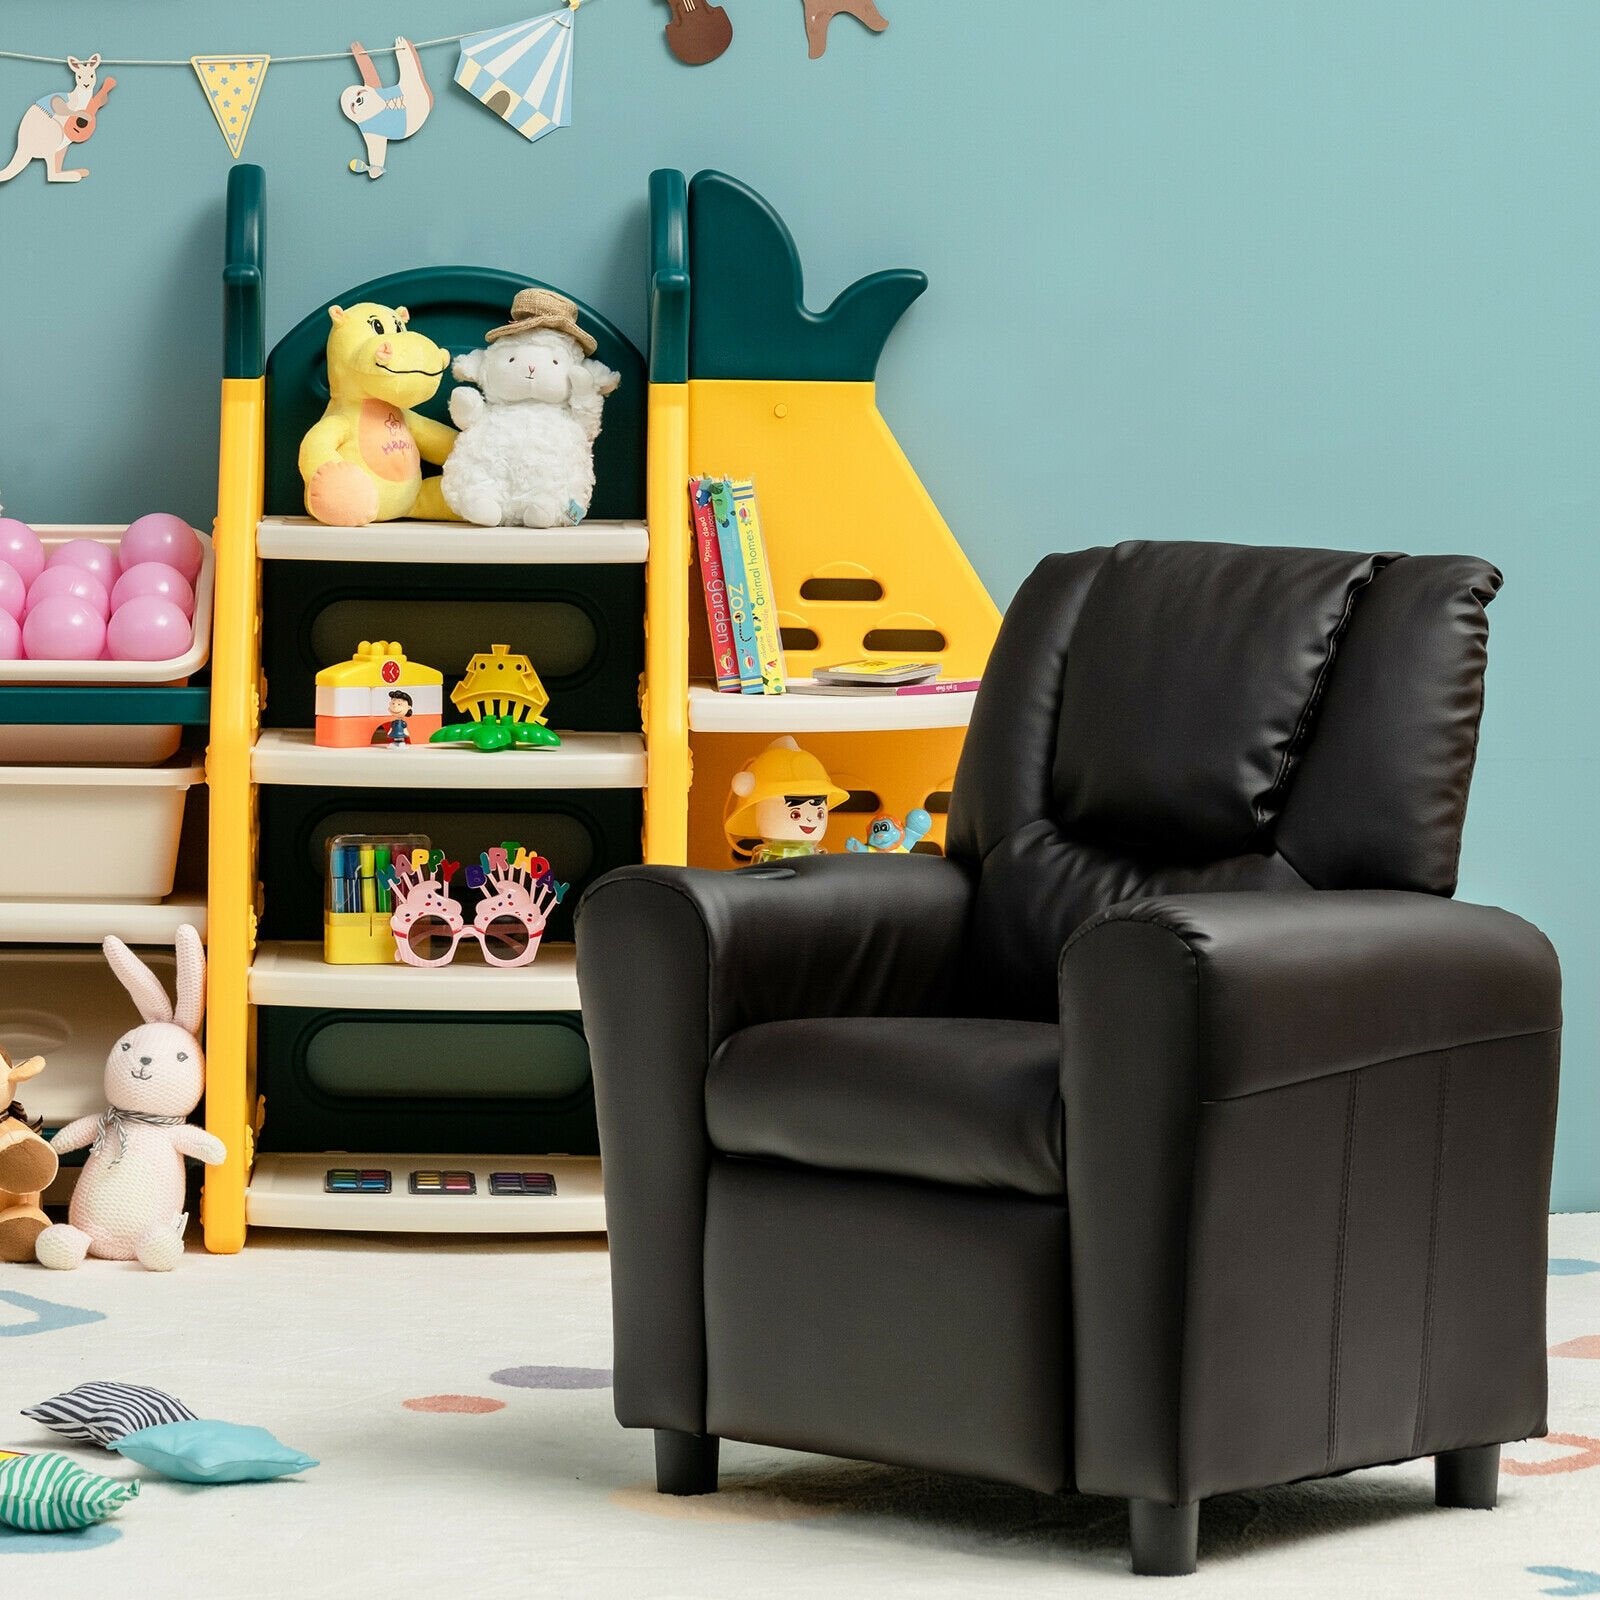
{"x": 1580, "y": 1453}
{"x": 1571, "y": 1266}
{"x": 14, "y": 1542}
{"x": 1574, "y": 1581}
{"x": 1587, "y": 1348}
{"x": 553, "y": 1377}
{"x": 461, "y": 1404}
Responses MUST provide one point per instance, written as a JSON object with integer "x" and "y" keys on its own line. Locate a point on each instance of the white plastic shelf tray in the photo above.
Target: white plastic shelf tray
{"x": 92, "y": 674}
{"x": 584, "y": 761}
{"x": 287, "y": 1191}
{"x": 89, "y": 921}
{"x": 294, "y": 974}
{"x": 711, "y": 711}
{"x": 595, "y": 543}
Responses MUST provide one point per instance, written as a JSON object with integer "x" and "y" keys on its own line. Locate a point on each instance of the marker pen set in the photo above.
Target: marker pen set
{"x": 360, "y": 900}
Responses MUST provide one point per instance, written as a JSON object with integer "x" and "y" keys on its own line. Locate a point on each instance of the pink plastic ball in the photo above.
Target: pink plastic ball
{"x": 152, "y": 577}
{"x": 87, "y": 554}
{"x": 148, "y": 628}
{"x": 10, "y": 637}
{"x": 78, "y": 583}
{"x": 13, "y": 592}
{"x": 63, "y": 629}
{"x": 160, "y": 536}
{"x": 20, "y": 547}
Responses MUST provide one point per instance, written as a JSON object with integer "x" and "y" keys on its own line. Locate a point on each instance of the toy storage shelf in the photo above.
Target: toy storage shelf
{"x": 293, "y": 973}
{"x": 711, "y": 711}
{"x": 460, "y": 543}
{"x": 89, "y": 921}
{"x": 584, "y": 761}
{"x": 286, "y": 1191}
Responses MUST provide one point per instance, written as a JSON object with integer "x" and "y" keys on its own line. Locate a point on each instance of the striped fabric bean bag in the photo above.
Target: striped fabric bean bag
{"x": 50, "y": 1494}
{"x": 101, "y": 1413}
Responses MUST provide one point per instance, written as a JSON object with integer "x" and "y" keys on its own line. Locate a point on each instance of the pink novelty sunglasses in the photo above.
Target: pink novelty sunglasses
{"x": 508, "y": 924}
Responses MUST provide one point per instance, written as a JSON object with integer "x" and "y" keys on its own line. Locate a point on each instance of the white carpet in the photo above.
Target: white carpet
{"x": 529, "y": 1488}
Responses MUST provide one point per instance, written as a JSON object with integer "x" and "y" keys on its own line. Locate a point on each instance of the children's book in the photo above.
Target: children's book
{"x": 758, "y": 579}
{"x": 737, "y": 586}
{"x": 724, "y": 659}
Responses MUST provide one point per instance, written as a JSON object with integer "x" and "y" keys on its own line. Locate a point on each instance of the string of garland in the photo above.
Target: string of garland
{"x": 277, "y": 61}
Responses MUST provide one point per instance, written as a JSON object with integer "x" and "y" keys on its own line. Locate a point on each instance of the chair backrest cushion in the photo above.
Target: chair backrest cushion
{"x": 1169, "y": 718}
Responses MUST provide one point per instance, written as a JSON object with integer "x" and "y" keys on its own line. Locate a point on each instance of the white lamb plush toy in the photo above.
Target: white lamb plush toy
{"x": 525, "y": 453}
{"x": 128, "y": 1204}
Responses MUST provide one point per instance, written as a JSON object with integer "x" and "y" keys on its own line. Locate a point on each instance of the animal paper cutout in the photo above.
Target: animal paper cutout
{"x": 819, "y": 13}
{"x": 54, "y": 122}
{"x": 233, "y": 86}
{"x": 386, "y": 111}
{"x": 523, "y": 73}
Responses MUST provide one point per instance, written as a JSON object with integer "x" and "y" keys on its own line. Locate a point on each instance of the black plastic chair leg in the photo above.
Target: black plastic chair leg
{"x": 1166, "y": 1539}
{"x": 686, "y": 1463}
{"x": 1468, "y": 1478}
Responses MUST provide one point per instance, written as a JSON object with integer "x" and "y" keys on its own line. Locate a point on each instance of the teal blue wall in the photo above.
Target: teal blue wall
{"x": 1319, "y": 273}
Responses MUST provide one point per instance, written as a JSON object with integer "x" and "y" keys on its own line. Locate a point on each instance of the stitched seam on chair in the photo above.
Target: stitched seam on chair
{"x": 1477, "y": 732}
{"x": 1340, "y": 1260}
{"x": 1387, "y": 1061}
{"x": 1292, "y": 750}
{"x": 1417, "y": 1432}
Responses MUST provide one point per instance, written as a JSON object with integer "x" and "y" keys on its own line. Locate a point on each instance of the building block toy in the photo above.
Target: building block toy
{"x": 378, "y": 697}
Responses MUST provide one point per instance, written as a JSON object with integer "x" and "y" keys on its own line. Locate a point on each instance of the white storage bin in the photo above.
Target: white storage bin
{"x": 67, "y": 1006}
{"x": 107, "y": 743}
{"x": 92, "y": 833}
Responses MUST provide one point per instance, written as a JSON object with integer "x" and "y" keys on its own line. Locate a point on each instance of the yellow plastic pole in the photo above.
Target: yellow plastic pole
{"x": 231, "y": 887}
{"x": 665, "y": 698}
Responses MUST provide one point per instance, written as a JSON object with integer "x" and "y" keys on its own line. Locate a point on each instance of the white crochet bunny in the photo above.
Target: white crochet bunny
{"x": 128, "y": 1202}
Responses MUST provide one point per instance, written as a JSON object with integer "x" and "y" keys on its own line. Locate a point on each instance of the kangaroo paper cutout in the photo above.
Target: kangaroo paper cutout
{"x": 233, "y": 86}
{"x": 56, "y": 122}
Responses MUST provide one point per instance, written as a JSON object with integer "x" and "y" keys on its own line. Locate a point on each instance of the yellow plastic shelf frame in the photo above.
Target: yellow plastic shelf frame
{"x": 862, "y": 561}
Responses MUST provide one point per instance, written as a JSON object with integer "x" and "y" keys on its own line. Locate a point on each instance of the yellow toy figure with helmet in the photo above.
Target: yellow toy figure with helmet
{"x": 780, "y": 797}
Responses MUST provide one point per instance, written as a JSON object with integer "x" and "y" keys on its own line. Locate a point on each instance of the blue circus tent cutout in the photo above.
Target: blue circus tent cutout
{"x": 522, "y": 73}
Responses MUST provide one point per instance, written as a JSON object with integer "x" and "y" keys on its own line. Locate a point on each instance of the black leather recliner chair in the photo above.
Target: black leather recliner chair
{"x": 1176, "y": 1134}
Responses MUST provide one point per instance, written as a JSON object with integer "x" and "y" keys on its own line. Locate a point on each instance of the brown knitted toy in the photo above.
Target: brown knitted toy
{"x": 27, "y": 1166}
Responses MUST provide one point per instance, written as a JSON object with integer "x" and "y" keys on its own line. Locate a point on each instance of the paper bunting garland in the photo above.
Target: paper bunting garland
{"x": 523, "y": 73}
{"x": 232, "y": 85}
{"x": 55, "y": 122}
{"x": 385, "y": 111}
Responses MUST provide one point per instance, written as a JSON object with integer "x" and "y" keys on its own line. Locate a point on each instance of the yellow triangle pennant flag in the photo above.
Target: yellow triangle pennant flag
{"x": 232, "y": 85}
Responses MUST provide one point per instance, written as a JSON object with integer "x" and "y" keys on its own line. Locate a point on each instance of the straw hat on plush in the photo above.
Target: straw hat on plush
{"x": 543, "y": 308}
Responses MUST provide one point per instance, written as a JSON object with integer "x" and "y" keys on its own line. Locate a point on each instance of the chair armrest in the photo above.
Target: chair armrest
{"x": 671, "y": 961}
{"x": 1290, "y": 986}
{"x": 824, "y": 936}
{"x": 1308, "y": 1141}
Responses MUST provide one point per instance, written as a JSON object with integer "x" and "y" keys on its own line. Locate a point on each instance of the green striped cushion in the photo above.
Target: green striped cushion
{"x": 50, "y": 1493}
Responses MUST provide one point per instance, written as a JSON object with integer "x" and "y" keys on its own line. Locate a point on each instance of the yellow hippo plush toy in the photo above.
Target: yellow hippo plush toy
{"x": 363, "y": 461}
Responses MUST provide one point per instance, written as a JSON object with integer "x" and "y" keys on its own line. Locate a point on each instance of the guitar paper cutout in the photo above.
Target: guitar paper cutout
{"x": 698, "y": 32}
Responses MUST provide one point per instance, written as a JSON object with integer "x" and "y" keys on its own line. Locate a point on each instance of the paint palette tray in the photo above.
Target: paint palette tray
{"x": 449, "y": 1182}
{"x": 535, "y": 1183}
{"x": 357, "y": 1180}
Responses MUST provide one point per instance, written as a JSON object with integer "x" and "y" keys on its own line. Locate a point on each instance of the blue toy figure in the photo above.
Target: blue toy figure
{"x": 886, "y": 837}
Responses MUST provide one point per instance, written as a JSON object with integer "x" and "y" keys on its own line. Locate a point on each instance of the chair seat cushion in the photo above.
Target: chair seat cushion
{"x": 957, "y": 1100}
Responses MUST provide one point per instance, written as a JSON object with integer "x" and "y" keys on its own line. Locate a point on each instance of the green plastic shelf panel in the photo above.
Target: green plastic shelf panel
{"x": 669, "y": 277}
{"x": 748, "y": 316}
{"x": 98, "y": 706}
{"x": 244, "y": 323}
